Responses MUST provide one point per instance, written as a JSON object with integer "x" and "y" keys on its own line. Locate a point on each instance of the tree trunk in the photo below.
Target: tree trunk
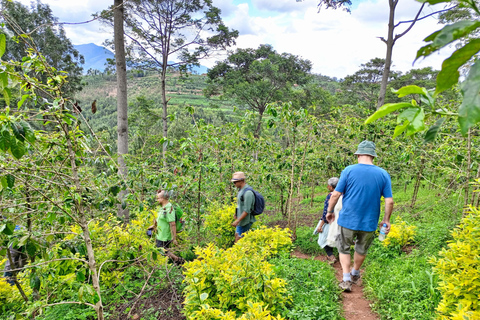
{"x": 417, "y": 182}
{"x": 388, "y": 59}
{"x": 122, "y": 113}
{"x": 165, "y": 112}
{"x": 469, "y": 163}
{"x": 290, "y": 191}
{"x": 256, "y": 134}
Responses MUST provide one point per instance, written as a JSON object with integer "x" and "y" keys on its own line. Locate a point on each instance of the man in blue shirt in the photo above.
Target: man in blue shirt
{"x": 362, "y": 186}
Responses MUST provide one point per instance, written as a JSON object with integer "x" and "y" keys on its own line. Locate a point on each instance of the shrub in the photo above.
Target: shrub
{"x": 237, "y": 278}
{"x": 218, "y": 222}
{"x": 255, "y": 311}
{"x": 269, "y": 241}
{"x": 400, "y": 234}
{"x": 458, "y": 268}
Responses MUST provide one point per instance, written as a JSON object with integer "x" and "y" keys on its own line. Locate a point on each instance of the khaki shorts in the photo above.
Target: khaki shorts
{"x": 346, "y": 239}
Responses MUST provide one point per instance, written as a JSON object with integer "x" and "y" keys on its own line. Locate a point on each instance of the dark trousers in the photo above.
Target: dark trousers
{"x": 328, "y": 250}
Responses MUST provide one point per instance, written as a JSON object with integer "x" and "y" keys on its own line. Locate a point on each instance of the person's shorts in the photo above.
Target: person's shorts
{"x": 348, "y": 237}
{"x": 242, "y": 229}
{"x": 163, "y": 244}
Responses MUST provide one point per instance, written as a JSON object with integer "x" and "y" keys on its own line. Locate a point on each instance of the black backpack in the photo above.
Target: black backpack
{"x": 259, "y": 204}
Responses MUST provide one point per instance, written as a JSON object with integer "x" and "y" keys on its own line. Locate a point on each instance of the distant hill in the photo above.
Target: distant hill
{"x": 96, "y": 58}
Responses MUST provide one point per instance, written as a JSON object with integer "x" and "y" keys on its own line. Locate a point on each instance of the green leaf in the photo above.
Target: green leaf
{"x": 433, "y": 130}
{"x": 7, "y": 228}
{"x": 80, "y": 276}
{"x": 3, "y": 181}
{"x": 31, "y": 248}
{"x": 7, "y": 95}
{"x": 412, "y": 89}
{"x": 400, "y": 129}
{"x": 18, "y": 149}
{"x": 408, "y": 114}
{"x": 114, "y": 190}
{"x": 18, "y": 131}
{"x": 22, "y": 101}
{"x": 469, "y": 111}
{"x": 3, "y": 44}
{"x": 124, "y": 204}
{"x": 35, "y": 283}
{"x": 5, "y": 140}
{"x": 203, "y": 296}
{"x": 386, "y": 109}
{"x": 449, "y": 74}
{"x": 10, "y": 180}
{"x": 80, "y": 293}
{"x": 3, "y": 80}
{"x": 28, "y": 131}
{"x": 417, "y": 124}
{"x": 447, "y": 35}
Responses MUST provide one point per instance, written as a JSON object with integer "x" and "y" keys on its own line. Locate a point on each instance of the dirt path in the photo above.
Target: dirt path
{"x": 355, "y": 305}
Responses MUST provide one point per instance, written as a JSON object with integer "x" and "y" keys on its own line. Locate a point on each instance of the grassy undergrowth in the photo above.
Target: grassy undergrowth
{"x": 313, "y": 287}
{"x": 400, "y": 282}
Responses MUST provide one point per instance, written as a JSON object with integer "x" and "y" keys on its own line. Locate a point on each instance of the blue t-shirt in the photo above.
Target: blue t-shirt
{"x": 362, "y": 186}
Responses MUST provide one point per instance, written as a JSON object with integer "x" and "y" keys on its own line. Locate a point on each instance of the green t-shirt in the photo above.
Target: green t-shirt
{"x": 165, "y": 215}
{"x": 246, "y": 205}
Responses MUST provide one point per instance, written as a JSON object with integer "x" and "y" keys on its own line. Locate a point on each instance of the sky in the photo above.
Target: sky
{"x": 337, "y": 42}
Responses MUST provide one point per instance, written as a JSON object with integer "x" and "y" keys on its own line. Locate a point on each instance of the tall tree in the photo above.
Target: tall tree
{"x": 257, "y": 77}
{"x": 161, "y": 31}
{"x": 122, "y": 104}
{"x": 47, "y": 37}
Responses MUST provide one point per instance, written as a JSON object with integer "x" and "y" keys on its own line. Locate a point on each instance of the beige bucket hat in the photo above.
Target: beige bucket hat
{"x": 237, "y": 176}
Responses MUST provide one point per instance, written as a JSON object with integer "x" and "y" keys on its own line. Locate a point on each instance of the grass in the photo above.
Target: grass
{"x": 313, "y": 287}
{"x": 402, "y": 285}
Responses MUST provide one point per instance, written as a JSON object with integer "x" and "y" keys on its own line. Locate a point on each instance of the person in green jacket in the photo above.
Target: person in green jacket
{"x": 245, "y": 203}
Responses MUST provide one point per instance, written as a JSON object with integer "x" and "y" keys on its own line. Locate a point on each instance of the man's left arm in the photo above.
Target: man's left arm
{"x": 388, "y": 212}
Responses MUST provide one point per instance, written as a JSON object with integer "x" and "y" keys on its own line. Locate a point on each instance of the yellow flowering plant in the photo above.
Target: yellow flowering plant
{"x": 237, "y": 278}
{"x": 458, "y": 268}
{"x": 218, "y": 220}
{"x": 400, "y": 235}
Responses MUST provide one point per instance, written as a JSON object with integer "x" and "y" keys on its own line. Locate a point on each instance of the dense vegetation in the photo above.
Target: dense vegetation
{"x": 59, "y": 183}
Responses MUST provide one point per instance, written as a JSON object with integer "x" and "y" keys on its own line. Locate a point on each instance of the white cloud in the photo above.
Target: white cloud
{"x": 335, "y": 41}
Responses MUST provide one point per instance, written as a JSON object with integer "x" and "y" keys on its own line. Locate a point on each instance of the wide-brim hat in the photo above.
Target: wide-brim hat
{"x": 237, "y": 176}
{"x": 366, "y": 147}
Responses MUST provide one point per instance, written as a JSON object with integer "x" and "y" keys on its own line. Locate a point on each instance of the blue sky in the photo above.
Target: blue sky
{"x": 335, "y": 41}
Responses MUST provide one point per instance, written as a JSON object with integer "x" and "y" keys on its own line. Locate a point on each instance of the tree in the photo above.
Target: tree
{"x": 122, "y": 104}
{"x": 163, "y": 30}
{"x": 46, "y": 36}
{"x": 257, "y": 77}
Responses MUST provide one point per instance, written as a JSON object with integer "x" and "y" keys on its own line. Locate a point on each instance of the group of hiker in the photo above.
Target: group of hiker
{"x": 350, "y": 216}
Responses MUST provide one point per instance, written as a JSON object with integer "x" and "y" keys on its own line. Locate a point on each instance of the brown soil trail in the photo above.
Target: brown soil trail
{"x": 355, "y": 305}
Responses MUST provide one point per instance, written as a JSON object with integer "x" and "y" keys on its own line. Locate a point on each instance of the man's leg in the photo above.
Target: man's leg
{"x": 358, "y": 260}
{"x": 345, "y": 262}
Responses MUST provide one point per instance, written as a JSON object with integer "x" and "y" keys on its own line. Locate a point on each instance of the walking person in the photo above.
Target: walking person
{"x": 362, "y": 186}
{"x": 245, "y": 205}
{"x": 165, "y": 225}
{"x": 323, "y": 226}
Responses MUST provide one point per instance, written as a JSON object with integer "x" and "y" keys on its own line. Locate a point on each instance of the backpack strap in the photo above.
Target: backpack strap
{"x": 246, "y": 189}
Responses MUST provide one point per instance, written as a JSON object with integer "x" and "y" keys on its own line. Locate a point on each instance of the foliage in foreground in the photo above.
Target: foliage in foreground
{"x": 400, "y": 234}
{"x": 314, "y": 289}
{"x": 237, "y": 278}
{"x": 218, "y": 220}
{"x": 458, "y": 269}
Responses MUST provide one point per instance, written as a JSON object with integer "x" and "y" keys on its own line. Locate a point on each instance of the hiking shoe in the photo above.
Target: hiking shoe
{"x": 346, "y": 286}
{"x": 331, "y": 259}
{"x": 355, "y": 279}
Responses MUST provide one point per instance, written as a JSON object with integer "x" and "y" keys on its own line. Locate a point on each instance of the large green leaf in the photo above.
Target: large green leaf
{"x": 3, "y": 80}
{"x": 386, "y": 109}
{"x": 28, "y": 131}
{"x": 10, "y": 180}
{"x": 412, "y": 89}
{"x": 469, "y": 111}
{"x": 433, "y": 130}
{"x": 417, "y": 124}
{"x": 3, "y": 44}
{"x": 449, "y": 74}
{"x": 18, "y": 131}
{"x": 447, "y": 35}
{"x": 5, "y": 140}
{"x": 17, "y": 149}
{"x": 408, "y": 114}
{"x": 400, "y": 129}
